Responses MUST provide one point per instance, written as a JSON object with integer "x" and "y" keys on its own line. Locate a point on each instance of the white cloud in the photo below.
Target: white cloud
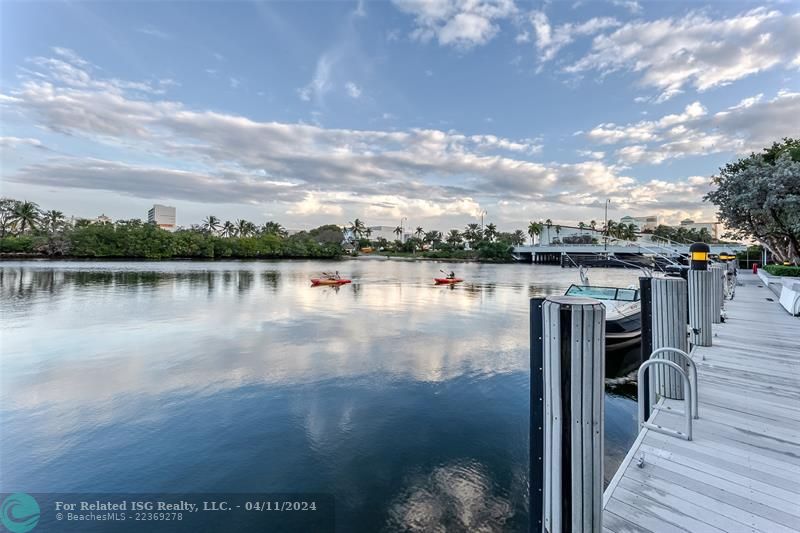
{"x": 631, "y": 5}
{"x": 154, "y": 32}
{"x": 550, "y": 39}
{"x": 696, "y": 50}
{"x": 215, "y": 157}
{"x": 234, "y": 82}
{"x": 353, "y": 90}
{"x": 320, "y": 84}
{"x": 458, "y": 23}
{"x": 747, "y": 126}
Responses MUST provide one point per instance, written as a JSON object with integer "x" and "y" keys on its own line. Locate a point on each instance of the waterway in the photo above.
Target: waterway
{"x": 406, "y": 401}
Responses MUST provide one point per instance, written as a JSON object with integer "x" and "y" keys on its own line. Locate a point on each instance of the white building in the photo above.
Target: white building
{"x": 713, "y": 228}
{"x": 103, "y": 219}
{"x": 385, "y": 232}
{"x": 557, "y": 233}
{"x": 163, "y": 216}
{"x": 649, "y": 222}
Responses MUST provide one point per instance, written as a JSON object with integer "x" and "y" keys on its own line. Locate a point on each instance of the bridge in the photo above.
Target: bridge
{"x": 559, "y": 253}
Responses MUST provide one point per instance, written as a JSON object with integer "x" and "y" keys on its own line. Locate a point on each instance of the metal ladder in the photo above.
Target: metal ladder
{"x": 689, "y": 385}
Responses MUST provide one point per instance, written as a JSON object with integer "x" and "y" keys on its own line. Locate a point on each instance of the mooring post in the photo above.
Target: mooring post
{"x": 669, "y": 303}
{"x": 536, "y": 468}
{"x": 573, "y": 374}
{"x": 646, "y": 302}
{"x": 700, "y": 295}
{"x": 718, "y": 292}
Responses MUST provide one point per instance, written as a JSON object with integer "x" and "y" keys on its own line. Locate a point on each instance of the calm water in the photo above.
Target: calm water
{"x": 407, "y": 401}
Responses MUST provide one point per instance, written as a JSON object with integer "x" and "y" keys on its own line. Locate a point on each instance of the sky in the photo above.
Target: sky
{"x": 321, "y": 112}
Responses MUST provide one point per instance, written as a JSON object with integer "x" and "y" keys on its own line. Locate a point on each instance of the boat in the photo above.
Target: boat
{"x": 447, "y": 281}
{"x": 325, "y": 281}
{"x": 623, "y": 312}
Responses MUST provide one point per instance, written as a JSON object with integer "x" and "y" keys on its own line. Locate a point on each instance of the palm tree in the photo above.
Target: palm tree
{"x": 630, "y": 233}
{"x": 419, "y": 232}
{"x": 53, "y": 220}
{"x": 228, "y": 229}
{"x": 581, "y": 226}
{"x": 593, "y": 224}
{"x": 454, "y": 237}
{"x": 398, "y": 231}
{"x": 548, "y": 222}
{"x": 611, "y": 228}
{"x": 25, "y": 216}
{"x": 490, "y": 232}
{"x": 368, "y": 233}
{"x": 358, "y": 227}
{"x": 534, "y": 229}
{"x": 211, "y": 224}
{"x": 518, "y": 238}
{"x": 273, "y": 228}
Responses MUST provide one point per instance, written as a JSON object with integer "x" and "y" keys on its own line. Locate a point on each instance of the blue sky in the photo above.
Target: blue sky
{"x": 314, "y": 112}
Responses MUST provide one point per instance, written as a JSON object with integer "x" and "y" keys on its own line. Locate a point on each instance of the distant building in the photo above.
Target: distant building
{"x": 103, "y": 219}
{"x": 163, "y": 216}
{"x": 641, "y": 223}
{"x": 557, "y": 233}
{"x": 713, "y": 228}
{"x": 383, "y": 232}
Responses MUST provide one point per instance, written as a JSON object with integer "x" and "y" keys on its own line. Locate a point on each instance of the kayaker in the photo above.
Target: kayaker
{"x": 451, "y": 275}
{"x": 337, "y": 276}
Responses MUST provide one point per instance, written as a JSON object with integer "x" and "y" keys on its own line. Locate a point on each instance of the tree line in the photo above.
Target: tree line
{"x": 26, "y": 229}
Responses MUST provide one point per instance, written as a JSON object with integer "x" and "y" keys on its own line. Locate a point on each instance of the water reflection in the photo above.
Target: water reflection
{"x": 406, "y": 400}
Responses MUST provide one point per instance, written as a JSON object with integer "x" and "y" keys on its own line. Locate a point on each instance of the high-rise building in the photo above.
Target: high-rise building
{"x": 713, "y": 228}
{"x": 163, "y": 216}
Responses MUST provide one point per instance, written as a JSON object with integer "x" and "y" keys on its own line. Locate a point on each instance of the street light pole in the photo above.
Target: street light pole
{"x": 605, "y": 241}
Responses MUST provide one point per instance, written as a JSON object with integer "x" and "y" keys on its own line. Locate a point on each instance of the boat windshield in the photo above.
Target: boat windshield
{"x": 604, "y": 293}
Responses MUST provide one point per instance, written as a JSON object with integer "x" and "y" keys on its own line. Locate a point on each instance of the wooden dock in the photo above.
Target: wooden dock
{"x": 741, "y": 470}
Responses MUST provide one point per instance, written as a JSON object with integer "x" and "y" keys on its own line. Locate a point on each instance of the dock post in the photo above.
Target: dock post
{"x": 536, "y": 465}
{"x": 718, "y": 290}
{"x": 646, "y": 347}
{"x": 669, "y": 303}
{"x": 573, "y": 372}
{"x": 700, "y": 295}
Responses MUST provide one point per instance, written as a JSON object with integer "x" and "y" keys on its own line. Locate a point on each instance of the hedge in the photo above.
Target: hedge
{"x": 780, "y": 270}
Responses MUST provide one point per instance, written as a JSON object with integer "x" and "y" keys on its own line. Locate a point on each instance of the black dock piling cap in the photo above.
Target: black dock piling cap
{"x": 698, "y": 253}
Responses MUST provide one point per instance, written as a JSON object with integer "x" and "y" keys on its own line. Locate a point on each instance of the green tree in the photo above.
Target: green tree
{"x": 758, "y": 197}
{"x": 454, "y": 237}
{"x": 357, "y": 227}
{"x": 419, "y": 232}
{"x": 211, "y": 224}
{"x": 52, "y": 221}
{"x": 398, "y": 231}
{"x": 534, "y": 229}
{"x": 518, "y": 238}
{"x": 25, "y": 216}
{"x": 228, "y": 229}
{"x": 490, "y": 232}
{"x": 273, "y": 228}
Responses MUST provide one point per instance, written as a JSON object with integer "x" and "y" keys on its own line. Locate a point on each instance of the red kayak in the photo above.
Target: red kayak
{"x": 447, "y": 281}
{"x": 323, "y": 281}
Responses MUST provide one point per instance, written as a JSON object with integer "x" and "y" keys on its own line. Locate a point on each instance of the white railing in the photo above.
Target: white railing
{"x": 689, "y": 385}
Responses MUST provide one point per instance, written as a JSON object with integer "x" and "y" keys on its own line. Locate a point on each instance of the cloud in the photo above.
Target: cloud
{"x": 206, "y": 156}
{"x": 550, "y": 39}
{"x": 750, "y": 125}
{"x": 15, "y": 142}
{"x": 696, "y": 50}
{"x": 234, "y": 82}
{"x": 457, "y": 23}
{"x": 631, "y": 5}
{"x": 154, "y": 32}
{"x": 320, "y": 84}
{"x": 353, "y": 90}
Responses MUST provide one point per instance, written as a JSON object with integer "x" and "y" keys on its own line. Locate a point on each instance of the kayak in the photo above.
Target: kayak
{"x": 323, "y": 281}
{"x": 447, "y": 281}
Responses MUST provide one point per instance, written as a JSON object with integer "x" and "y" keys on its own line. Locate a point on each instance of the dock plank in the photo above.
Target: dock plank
{"x": 742, "y": 470}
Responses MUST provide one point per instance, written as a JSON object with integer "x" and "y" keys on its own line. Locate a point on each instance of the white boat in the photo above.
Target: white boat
{"x": 623, "y": 312}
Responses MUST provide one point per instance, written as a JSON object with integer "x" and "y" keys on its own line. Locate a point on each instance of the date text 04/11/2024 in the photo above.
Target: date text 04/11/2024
{"x": 184, "y": 506}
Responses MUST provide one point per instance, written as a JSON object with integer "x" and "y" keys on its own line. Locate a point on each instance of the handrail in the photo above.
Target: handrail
{"x": 692, "y": 376}
{"x": 643, "y": 422}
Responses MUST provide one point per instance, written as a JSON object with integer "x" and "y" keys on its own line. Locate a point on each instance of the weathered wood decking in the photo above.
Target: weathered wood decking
{"x": 741, "y": 471}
